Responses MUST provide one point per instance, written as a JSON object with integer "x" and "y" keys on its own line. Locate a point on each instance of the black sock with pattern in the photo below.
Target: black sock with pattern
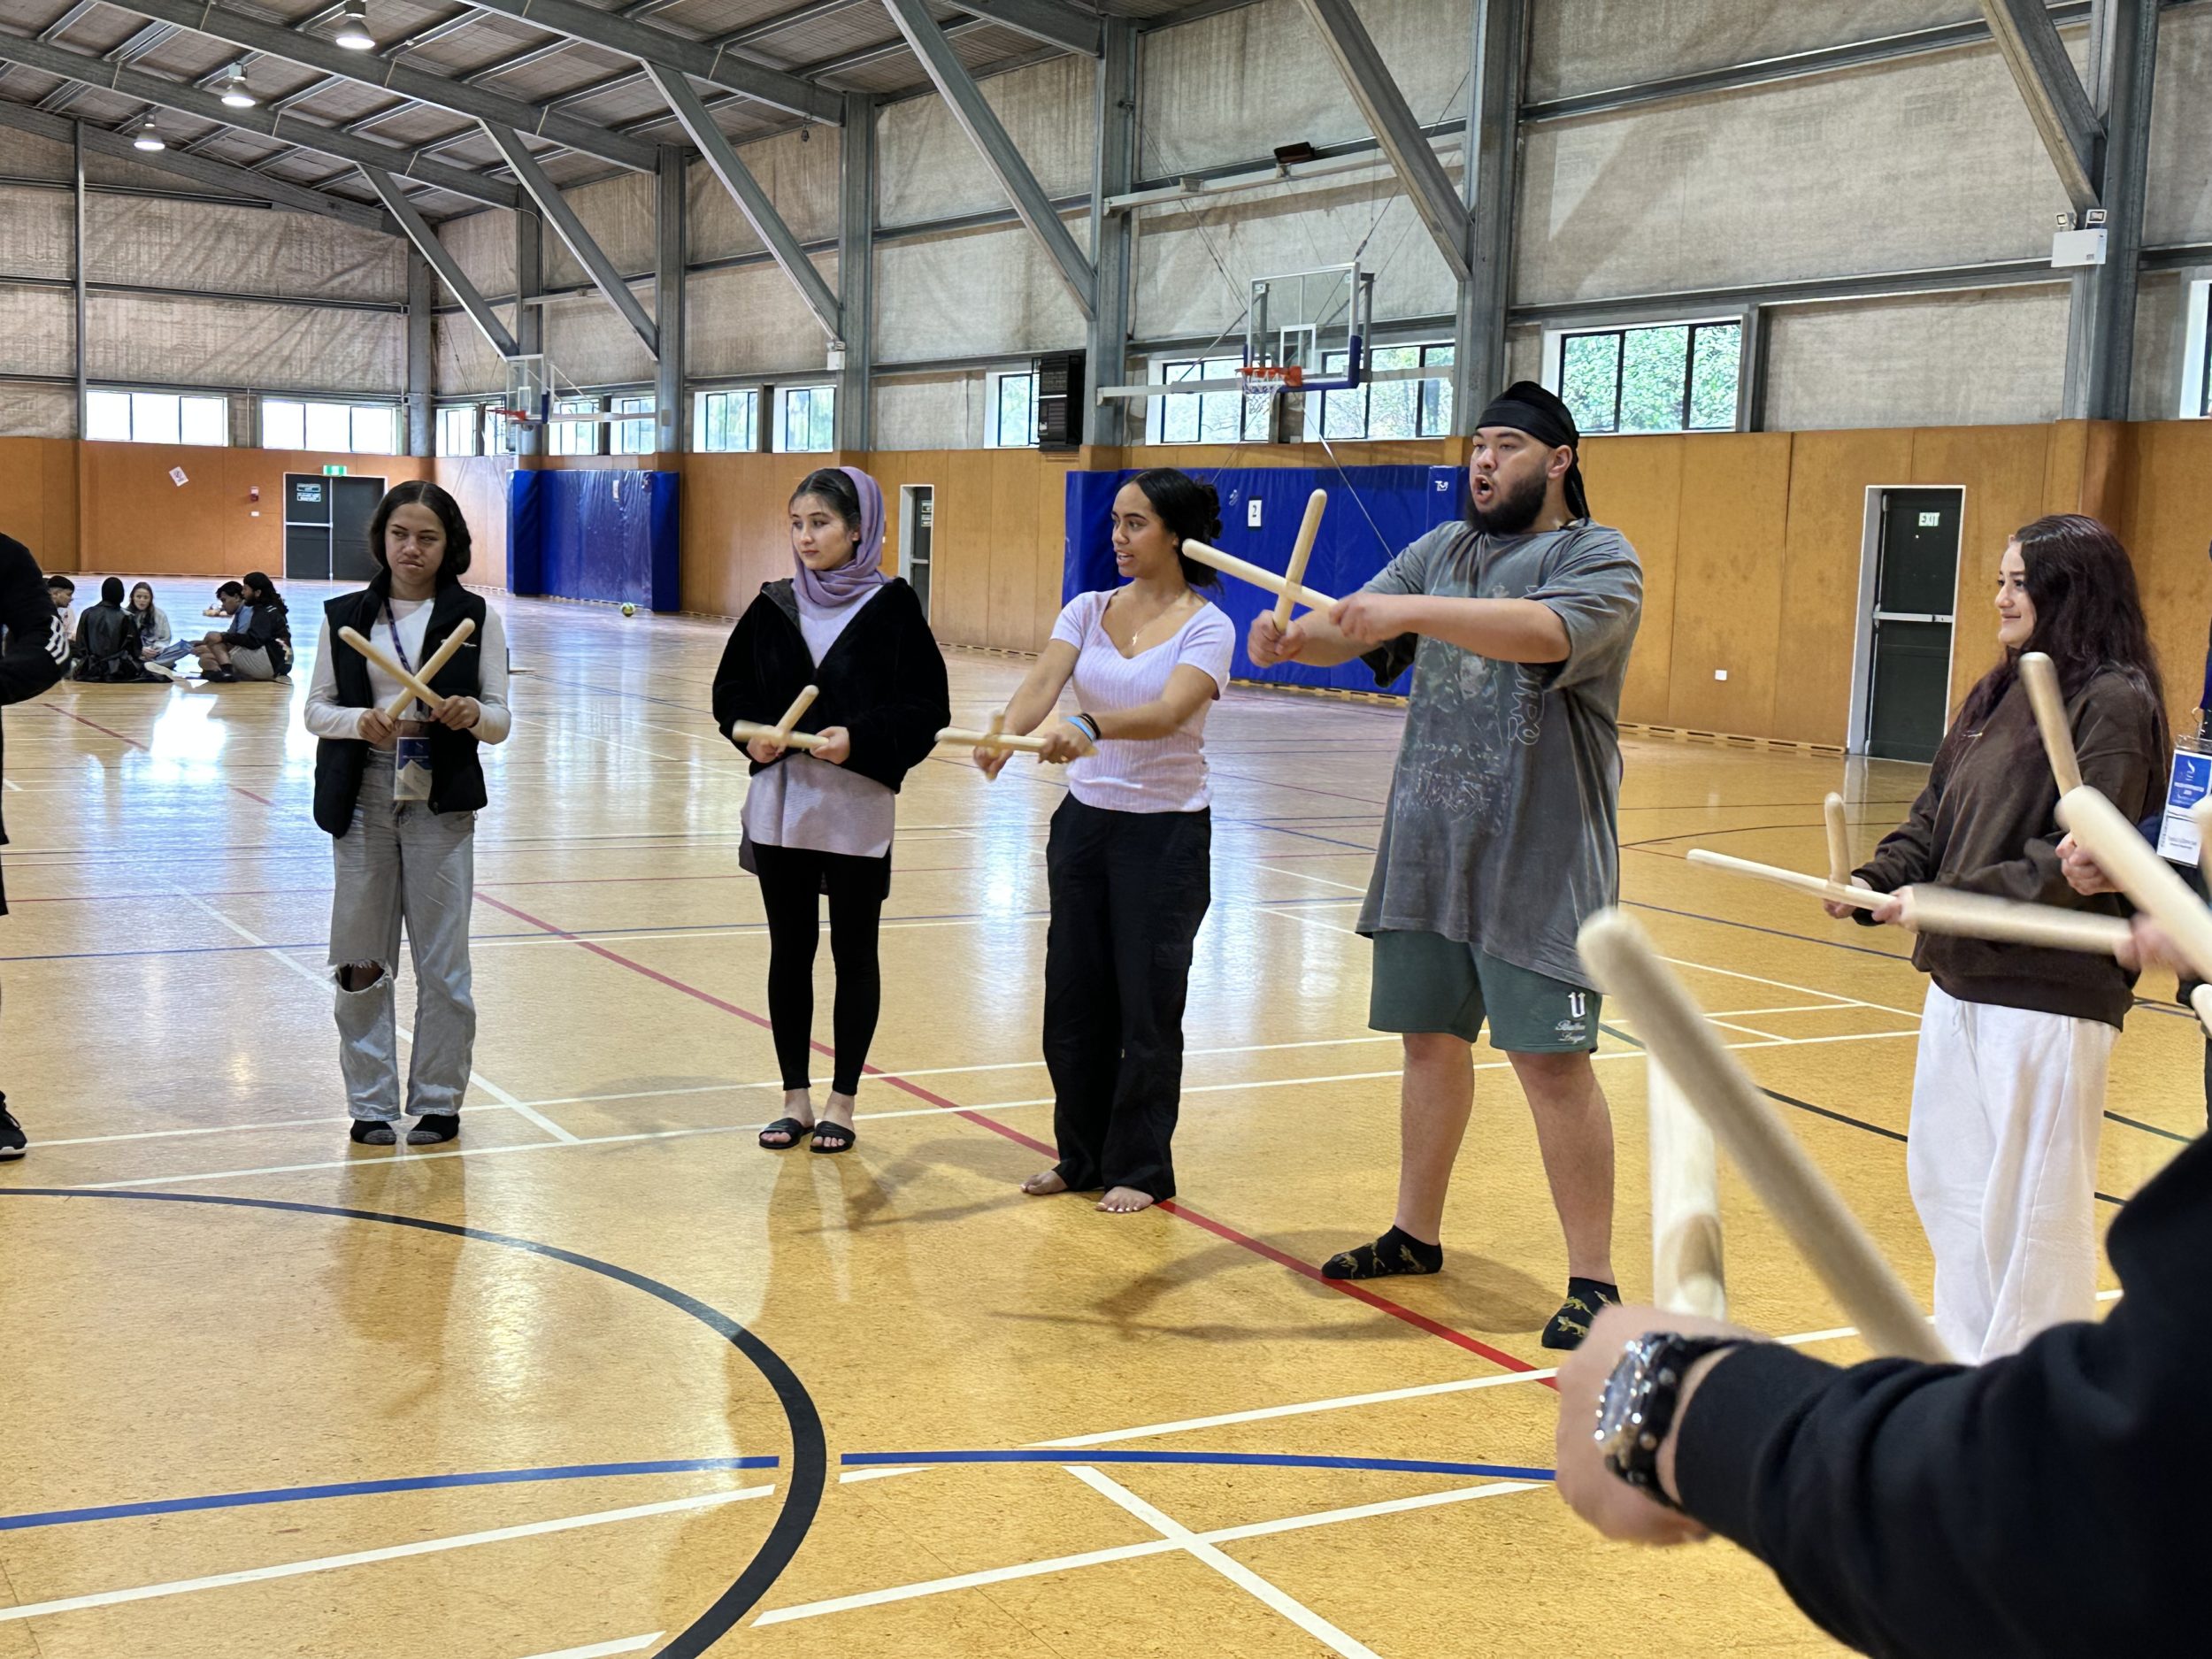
{"x": 1397, "y": 1251}
{"x": 1572, "y": 1323}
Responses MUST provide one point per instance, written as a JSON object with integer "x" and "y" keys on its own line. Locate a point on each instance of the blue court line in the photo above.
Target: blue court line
{"x": 358, "y": 1489}
{"x": 1266, "y": 1460}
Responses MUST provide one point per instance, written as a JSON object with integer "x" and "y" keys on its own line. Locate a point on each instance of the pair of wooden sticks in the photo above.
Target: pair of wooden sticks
{"x": 1289, "y": 588}
{"x": 781, "y": 733}
{"x": 417, "y": 684}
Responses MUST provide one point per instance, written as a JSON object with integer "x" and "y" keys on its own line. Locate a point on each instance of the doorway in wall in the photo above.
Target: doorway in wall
{"x": 917, "y": 510}
{"x": 1907, "y": 588}
{"x": 327, "y": 526}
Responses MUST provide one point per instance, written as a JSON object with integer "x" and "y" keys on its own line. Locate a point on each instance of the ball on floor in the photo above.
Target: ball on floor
{"x": 629, "y": 610}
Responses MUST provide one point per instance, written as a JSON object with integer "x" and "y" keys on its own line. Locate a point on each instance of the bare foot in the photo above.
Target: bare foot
{"x": 1044, "y": 1184}
{"x": 838, "y": 1115}
{"x": 798, "y": 1104}
{"x": 1124, "y": 1200}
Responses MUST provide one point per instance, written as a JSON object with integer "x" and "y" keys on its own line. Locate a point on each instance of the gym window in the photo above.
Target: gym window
{"x": 724, "y": 421}
{"x": 632, "y": 437}
{"x": 457, "y": 429}
{"x": 1010, "y": 416}
{"x": 330, "y": 428}
{"x": 1384, "y": 409}
{"x": 2196, "y": 366}
{"x": 115, "y": 417}
{"x": 575, "y": 437}
{"x": 1224, "y": 417}
{"x": 806, "y": 419}
{"x": 1667, "y": 377}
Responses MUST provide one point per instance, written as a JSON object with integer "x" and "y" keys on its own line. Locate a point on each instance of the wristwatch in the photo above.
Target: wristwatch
{"x": 1636, "y": 1406}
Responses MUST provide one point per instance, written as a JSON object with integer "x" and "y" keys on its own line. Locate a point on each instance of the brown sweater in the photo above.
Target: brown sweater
{"x": 1987, "y": 823}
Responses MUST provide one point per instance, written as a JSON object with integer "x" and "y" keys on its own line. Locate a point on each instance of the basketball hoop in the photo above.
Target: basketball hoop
{"x": 1267, "y": 379}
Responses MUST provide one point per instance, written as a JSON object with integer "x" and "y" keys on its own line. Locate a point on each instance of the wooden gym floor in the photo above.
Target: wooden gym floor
{"x": 583, "y": 1383}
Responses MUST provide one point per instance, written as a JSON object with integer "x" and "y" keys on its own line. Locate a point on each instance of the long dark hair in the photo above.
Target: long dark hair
{"x": 2088, "y": 620}
{"x": 1191, "y": 511}
{"x": 259, "y": 583}
{"x": 832, "y": 486}
{"x": 421, "y": 492}
{"x": 152, "y": 602}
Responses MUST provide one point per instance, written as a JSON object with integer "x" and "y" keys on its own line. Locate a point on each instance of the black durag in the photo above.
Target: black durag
{"x": 1527, "y": 407}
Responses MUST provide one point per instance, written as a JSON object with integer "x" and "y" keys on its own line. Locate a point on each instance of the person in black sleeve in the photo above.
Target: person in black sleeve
{"x": 2049, "y": 1502}
{"x": 109, "y": 648}
{"x": 36, "y": 655}
{"x": 822, "y": 821}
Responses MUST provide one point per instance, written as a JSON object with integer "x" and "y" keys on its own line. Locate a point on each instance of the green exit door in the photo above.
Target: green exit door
{"x": 1916, "y": 587}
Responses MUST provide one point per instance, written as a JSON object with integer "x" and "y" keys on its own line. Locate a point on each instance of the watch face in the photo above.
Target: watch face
{"x": 1617, "y": 1404}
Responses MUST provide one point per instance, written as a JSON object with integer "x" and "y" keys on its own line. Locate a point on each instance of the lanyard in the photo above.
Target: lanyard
{"x": 398, "y": 649}
{"x": 2204, "y": 699}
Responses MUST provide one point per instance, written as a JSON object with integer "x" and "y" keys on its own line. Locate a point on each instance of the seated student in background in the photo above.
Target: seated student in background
{"x": 228, "y": 598}
{"x": 257, "y": 645}
{"x": 153, "y": 622}
{"x": 107, "y": 640}
{"x": 62, "y": 592}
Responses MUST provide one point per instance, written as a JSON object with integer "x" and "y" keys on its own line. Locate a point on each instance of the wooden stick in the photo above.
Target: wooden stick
{"x": 415, "y": 687}
{"x": 2132, "y": 865}
{"x": 1838, "y": 840}
{"x": 1933, "y": 910}
{"x": 439, "y": 658}
{"x": 2040, "y": 675}
{"x": 993, "y": 738}
{"x": 742, "y": 732}
{"x": 1244, "y": 571}
{"x": 1834, "y": 892}
{"x": 800, "y": 704}
{"x": 1309, "y": 529}
{"x": 1686, "y": 1273}
{"x": 1788, "y": 1181}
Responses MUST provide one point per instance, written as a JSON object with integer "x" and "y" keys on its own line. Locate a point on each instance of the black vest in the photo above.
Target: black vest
{"x": 457, "y": 779}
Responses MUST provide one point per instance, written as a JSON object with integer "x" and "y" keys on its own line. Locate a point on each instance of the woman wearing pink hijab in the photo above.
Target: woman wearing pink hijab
{"x": 821, "y": 822}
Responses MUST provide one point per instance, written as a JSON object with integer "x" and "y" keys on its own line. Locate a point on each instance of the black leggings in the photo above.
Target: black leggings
{"x": 792, "y": 882}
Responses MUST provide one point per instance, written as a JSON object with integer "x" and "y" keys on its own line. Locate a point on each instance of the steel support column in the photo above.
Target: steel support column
{"x": 529, "y": 336}
{"x": 580, "y": 242}
{"x": 2100, "y": 327}
{"x": 670, "y": 251}
{"x": 422, "y": 301}
{"x": 985, "y": 131}
{"x": 449, "y": 269}
{"x": 1489, "y": 172}
{"x": 77, "y": 271}
{"x": 856, "y": 272}
{"x": 2064, "y": 118}
{"x": 1113, "y": 234}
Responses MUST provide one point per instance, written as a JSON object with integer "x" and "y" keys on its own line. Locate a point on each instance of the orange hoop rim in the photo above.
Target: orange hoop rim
{"x": 1289, "y": 375}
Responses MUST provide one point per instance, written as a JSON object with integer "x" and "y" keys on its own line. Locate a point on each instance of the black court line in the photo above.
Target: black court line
{"x": 810, "y": 1454}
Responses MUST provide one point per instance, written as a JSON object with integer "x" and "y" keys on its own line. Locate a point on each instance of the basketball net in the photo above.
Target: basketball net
{"x": 1264, "y": 383}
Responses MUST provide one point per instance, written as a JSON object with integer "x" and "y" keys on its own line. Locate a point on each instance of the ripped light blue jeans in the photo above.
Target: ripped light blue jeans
{"x": 402, "y": 861}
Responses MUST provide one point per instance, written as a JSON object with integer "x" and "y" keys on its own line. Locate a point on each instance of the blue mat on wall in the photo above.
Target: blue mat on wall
{"x": 1402, "y": 503}
{"x": 604, "y": 535}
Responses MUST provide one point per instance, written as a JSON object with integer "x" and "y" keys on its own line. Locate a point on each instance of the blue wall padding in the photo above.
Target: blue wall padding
{"x": 604, "y": 535}
{"x": 1399, "y": 503}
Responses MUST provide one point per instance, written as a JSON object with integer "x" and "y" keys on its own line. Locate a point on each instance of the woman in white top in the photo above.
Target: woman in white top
{"x": 821, "y": 823}
{"x": 399, "y": 798}
{"x": 1129, "y": 857}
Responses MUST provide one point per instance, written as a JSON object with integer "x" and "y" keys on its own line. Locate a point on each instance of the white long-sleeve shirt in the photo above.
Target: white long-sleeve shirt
{"x": 327, "y": 717}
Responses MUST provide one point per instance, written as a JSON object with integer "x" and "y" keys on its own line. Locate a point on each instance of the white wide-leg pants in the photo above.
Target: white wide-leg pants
{"x": 2007, "y": 1108}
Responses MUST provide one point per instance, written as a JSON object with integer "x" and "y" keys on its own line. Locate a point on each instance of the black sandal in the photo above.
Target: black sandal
{"x": 851, "y": 1137}
{"x": 790, "y": 1126}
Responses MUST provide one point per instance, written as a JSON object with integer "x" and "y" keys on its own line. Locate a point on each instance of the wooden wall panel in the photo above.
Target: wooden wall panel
{"x": 30, "y": 503}
{"x": 1728, "y": 581}
{"x": 2005, "y": 473}
{"x": 1635, "y": 485}
{"x": 2166, "y": 520}
{"x": 478, "y": 483}
{"x": 1829, "y": 472}
{"x": 735, "y": 533}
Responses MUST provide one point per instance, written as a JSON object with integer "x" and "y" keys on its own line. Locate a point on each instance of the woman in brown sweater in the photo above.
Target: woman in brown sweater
{"x": 2008, "y": 1086}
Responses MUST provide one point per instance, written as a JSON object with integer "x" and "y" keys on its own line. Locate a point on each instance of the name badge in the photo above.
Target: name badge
{"x": 410, "y": 778}
{"x": 2192, "y": 780}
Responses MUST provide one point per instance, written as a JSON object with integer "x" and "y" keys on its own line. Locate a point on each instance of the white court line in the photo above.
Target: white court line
{"x": 323, "y": 983}
{"x": 364, "y": 1557}
{"x": 1236, "y": 1572}
{"x": 606, "y": 1649}
{"x": 1307, "y": 875}
{"x": 1130, "y": 1552}
{"x": 1784, "y": 984}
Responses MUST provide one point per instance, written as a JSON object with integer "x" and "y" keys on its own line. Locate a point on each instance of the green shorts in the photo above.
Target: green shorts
{"x": 1425, "y": 982}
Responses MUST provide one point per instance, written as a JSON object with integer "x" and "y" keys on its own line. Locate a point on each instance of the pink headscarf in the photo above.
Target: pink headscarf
{"x": 833, "y": 589}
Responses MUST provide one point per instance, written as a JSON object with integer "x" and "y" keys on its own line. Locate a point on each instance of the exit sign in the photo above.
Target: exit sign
{"x": 334, "y": 471}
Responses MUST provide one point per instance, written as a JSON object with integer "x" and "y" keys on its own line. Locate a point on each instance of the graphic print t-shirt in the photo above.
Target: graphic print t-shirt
{"x": 1502, "y": 829}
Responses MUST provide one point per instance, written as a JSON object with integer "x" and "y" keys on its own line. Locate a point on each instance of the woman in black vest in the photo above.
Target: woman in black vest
{"x": 821, "y": 823}
{"x": 400, "y": 797}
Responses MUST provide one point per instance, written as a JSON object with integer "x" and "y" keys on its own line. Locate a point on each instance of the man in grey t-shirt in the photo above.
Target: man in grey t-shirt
{"x": 1501, "y": 835}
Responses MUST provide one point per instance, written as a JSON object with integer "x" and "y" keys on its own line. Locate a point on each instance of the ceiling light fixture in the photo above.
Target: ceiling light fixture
{"x": 233, "y": 89}
{"x": 353, "y": 29}
{"x": 148, "y": 137}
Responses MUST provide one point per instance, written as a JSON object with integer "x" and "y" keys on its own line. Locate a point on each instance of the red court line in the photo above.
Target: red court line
{"x": 1222, "y": 1230}
{"x": 140, "y": 748}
